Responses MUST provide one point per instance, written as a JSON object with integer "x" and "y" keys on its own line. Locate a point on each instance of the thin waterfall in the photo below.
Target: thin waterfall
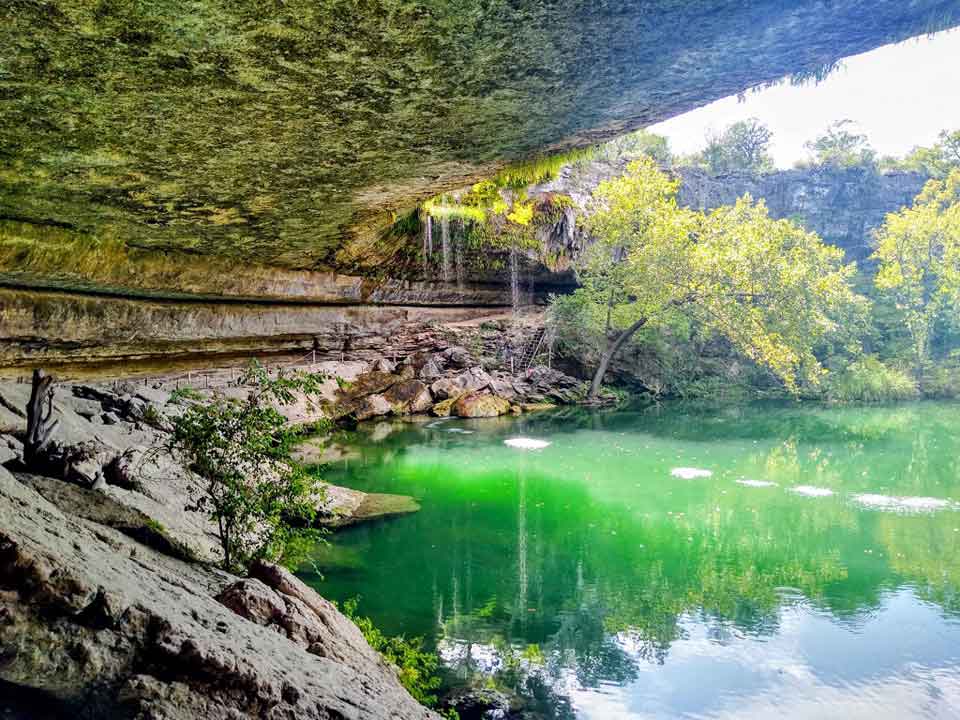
{"x": 514, "y": 279}
{"x": 458, "y": 241}
{"x": 427, "y": 247}
{"x": 445, "y": 237}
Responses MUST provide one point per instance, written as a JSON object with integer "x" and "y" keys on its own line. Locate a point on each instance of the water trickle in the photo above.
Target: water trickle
{"x": 458, "y": 254}
{"x": 427, "y": 246}
{"x": 514, "y": 279}
{"x": 445, "y": 240}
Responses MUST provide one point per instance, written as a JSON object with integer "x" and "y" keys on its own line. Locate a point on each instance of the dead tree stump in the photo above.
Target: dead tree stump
{"x": 40, "y": 425}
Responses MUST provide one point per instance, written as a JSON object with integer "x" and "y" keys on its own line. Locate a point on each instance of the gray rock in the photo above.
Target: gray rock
{"x": 7, "y": 454}
{"x": 471, "y": 380}
{"x": 153, "y": 395}
{"x": 431, "y": 370}
{"x": 384, "y": 365}
{"x": 409, "y": 396}
{"x": 109, "y": 418}
{"x": 371, "y": 406}
{"x": 97, "y": 603}
{"x": 458, "y": 357}
{"x": 82, "y": 406}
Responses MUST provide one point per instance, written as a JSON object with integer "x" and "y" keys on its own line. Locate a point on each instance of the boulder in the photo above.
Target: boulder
{"x": 383, "y": 365}
{"x": 503, "y": 388}
{"x": 431, "y": 370}
{"x": 458, "y": 357}
{"x": 7, "y": 453}
{"x": 470, "y": 380}
{"x": 444, "y": 407}
{"x": 371, "y": 406}
{"x": 369, "y": 383}
{"x": 475, "y": 405}
{"x": 409, "y": 396}
{"x": 152, "y": 395}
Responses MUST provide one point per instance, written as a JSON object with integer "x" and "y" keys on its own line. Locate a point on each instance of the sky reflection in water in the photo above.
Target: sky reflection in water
{"x": 813, "y": 573}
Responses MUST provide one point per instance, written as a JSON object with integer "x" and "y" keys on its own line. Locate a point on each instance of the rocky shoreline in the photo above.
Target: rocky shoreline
{"x": 109, "y": 601}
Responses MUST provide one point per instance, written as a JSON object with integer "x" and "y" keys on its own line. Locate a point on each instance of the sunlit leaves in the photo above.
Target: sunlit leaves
{"x": 771, "y": 288}
{"x": 918, "y": 250}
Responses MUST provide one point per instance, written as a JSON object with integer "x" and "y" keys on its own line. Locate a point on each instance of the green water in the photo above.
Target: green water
{"x": 590, "y": 575}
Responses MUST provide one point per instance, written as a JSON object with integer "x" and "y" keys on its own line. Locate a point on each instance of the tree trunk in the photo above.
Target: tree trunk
{"x": 40, "y": 429}
{"x": 608, "y": 356}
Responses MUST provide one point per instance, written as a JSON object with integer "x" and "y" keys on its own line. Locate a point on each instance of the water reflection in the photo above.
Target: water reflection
{"x": 813, "y": 573}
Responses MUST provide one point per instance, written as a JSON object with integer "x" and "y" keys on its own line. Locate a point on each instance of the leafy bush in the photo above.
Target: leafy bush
{"x": 417, "y": 667}
{"x": 942, "y": 381}
{"x": 869, "y": 380}
{"x": 185, "y": 393}
{"x": 262, "y": 502}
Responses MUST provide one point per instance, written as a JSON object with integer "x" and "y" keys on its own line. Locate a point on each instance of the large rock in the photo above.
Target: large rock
{"x": 371, "y": 406}
{"x": 474, "y": 379}
{"x": 475, "y": 405}
{"x": 409, "y": 396}
{"x": 110, "y": 628}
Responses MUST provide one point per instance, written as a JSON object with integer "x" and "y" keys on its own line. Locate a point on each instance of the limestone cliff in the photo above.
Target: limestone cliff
{"x": 290, "y": 134}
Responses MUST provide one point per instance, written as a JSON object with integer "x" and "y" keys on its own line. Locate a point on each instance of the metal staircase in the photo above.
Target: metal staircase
{"x": 530, "y": 351}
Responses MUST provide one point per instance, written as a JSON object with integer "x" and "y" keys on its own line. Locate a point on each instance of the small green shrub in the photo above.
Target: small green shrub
{"x": 185, "y": 393}
{"x": 152, "y": 416}
{"x": 869, "y": 380}
{"x": 263, "y": 503}
{"x": 417, "y": 667}
{"x": 941, "y": 382}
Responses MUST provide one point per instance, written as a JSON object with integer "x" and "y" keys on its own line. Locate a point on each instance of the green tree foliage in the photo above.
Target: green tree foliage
{"x": 262, "y": 502}
{"x": 936, "y": 161}
{"x": 769, "y": 287}
{"x": 416, "y": 668}
{"x": 866, "y": 379}
{"x": 842, "y": 146}
{"x": 743, "y": 146}
{"x": 918, "y": 251}
{"x": 637, "y": 144}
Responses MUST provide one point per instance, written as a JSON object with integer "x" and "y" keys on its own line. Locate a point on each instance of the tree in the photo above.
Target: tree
{"x": 768, "y": 286}
{"x": 40, "y": 421}
{"x": 938, "y": 160}
{"x": 841, "y": 146}
{"x": 636, "y": 144}
{"x": 918, "y": 251}
{"x": 260, "y": 499}
{"x": 744, "y": 146}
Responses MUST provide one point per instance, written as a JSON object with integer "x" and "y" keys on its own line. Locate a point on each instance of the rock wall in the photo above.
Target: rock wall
{"x": 54, "y": 328}
{"x": 294, "y": 138}
{"x": 841, "y": 205}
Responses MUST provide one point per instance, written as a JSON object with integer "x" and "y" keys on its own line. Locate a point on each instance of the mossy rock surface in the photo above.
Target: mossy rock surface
{"x": 292, "y": 133}
{"x": 480, "y": 406}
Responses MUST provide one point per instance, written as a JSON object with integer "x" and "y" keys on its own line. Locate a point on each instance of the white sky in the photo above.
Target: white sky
{"x": 899, "y": 95}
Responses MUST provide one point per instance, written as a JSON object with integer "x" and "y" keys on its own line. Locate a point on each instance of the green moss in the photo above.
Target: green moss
{"x": 294, "y": 132}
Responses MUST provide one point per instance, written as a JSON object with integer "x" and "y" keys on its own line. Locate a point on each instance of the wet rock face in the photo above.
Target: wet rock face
{"x": 327, "y": 143}
{"x": 110, "y": 628}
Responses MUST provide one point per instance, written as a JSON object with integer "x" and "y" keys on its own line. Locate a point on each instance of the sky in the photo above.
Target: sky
{"x": 899, "y": 95}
